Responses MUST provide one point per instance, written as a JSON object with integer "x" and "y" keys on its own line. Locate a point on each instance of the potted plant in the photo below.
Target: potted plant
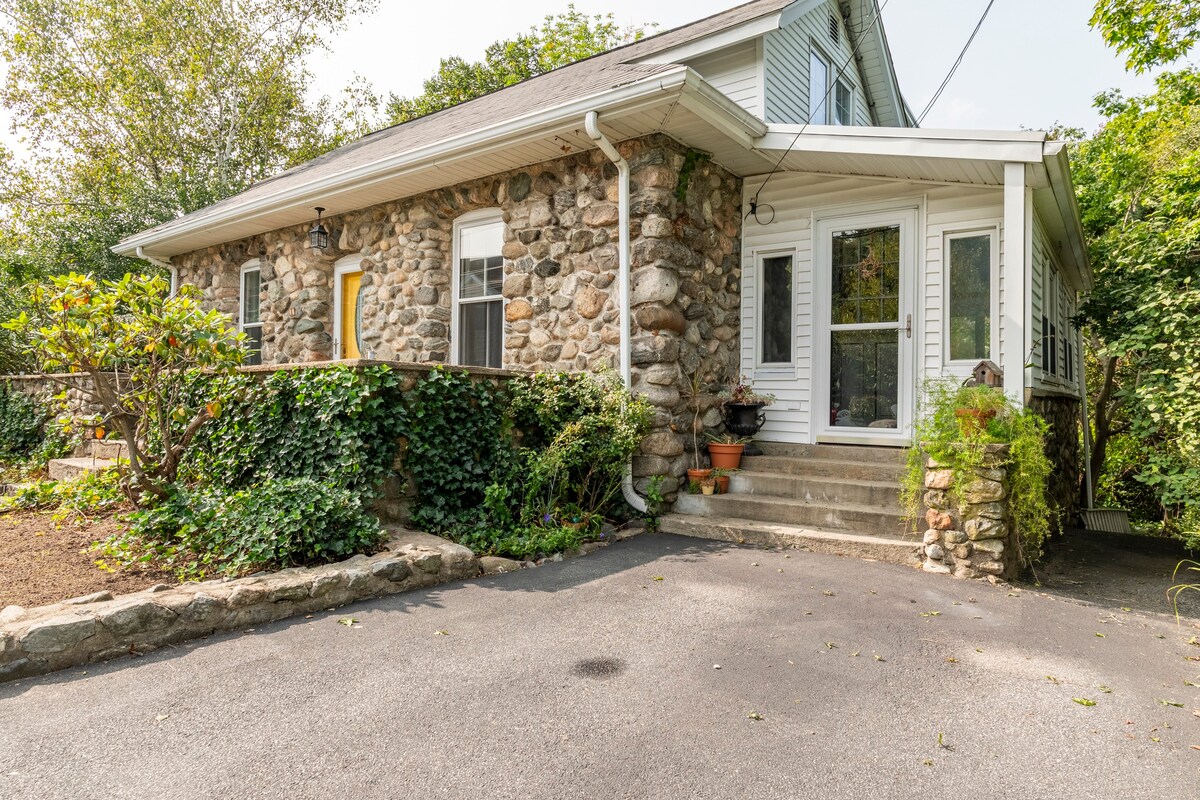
{"x": 725, "y": 451}
{"x": 741, "y": 407}
{"x": 721, "y": 476}
{"x": 696, "y": 473}
{"x": 708, "y": 485}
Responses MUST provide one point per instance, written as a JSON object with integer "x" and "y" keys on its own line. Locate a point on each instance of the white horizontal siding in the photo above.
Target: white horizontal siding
{"x": 785, "y": 60}
{"x": 735, "y": 72}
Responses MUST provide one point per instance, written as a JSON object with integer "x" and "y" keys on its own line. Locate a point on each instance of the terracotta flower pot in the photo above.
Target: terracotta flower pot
{"x": 698, "y": 475}
{"x": 725, "y": 456}
{"x": 723, "y": 484}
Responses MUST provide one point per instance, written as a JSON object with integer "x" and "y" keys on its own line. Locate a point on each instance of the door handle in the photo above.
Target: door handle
{"x": 908, "y": 326}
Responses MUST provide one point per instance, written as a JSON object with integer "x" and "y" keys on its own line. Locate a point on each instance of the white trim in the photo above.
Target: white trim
{"x": 949, "y": 233}
{"x": 346, "y": 265}
{"x": 713, "y": 42}
{"x": 824, "y": 223}
{"x": 816, "y": 52}
{"x": 472, "y": 219}
{"x": 253, "y": 265}
{"x": 775, "y": 367}
{"x": 1017, "y": 325}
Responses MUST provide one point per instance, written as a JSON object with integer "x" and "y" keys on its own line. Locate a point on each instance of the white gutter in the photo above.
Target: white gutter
{"x": 591, "y": 124}
{"x": 167, "y": 265}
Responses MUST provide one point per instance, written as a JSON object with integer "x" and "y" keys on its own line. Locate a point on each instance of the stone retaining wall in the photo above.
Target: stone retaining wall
{"x": 74, "y": 389}
{"x": 974, "y": 537}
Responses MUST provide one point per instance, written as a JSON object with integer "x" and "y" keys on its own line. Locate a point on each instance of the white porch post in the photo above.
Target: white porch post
{"x": 1016, "y": 324}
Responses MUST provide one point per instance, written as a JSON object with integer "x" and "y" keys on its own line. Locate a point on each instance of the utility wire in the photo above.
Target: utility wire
{"x": 828, "y": 92}
{"x": 957, "y": 62}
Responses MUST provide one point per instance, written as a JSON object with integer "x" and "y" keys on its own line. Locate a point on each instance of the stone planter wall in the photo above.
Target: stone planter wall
{"x": 560, "y": 264}
{"x": 75, "y": 389}
{"x": 974, "y": 538}
{"x": 1063, "y": 449}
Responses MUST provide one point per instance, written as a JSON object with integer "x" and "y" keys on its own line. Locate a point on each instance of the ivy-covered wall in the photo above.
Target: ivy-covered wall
{"x": 560, "y": 270}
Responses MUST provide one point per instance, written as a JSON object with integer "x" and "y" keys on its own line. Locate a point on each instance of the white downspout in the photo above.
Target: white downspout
{"x": 591, "y": 123}
{"x": 1087, "y": 422}
{"x": 167, "y": 265}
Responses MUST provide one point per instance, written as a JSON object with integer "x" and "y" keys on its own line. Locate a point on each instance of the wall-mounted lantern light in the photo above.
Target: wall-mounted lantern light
{"x": 318, "y": 237}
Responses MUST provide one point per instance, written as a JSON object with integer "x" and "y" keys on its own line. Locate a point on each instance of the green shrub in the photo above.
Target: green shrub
{"x": 274, "y": 524}
{"x": 22, "y": 425}
{"x": 91, "y": 493}
{"x": 962, "y": 448}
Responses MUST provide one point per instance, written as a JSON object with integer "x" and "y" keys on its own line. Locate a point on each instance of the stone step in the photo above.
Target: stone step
{"x": 102, "y": 448}
{"x": 825, "y": 468}
{"x": 859, "y": 519}
{"x": 66, "y": 469}
{"x": 892, "y": 550}
{"x": 884, "y": 495}
{"x": 839, "y": 452}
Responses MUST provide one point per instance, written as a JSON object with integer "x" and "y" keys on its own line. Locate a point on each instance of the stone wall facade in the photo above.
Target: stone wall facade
{"x": 66, "y": 396}
{"x": 974, "y": 537}
{"x": 1063, "y": 449}
{"x": 560, "y": 272}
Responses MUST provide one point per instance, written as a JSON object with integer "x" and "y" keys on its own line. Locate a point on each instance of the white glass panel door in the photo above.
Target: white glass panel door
{"x": 864, "y": 384}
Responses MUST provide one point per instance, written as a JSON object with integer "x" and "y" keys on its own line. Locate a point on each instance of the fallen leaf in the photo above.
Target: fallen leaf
{"x": 1196, "y": 747}
{"x": 658, "y": 577}
{"x": 754, "y": 715}
{"x": 951, "y": 660}
{"x": 978, "y": 650}
{"x": 348, "y": 621}
{"x": 855, "y": 653}
{"x": 1098, "y": 635}
{"x": 828, "y": 593}
{"x": 1083, "y": 701}
{"x": 1105, "y": 689}
{"x": 932, "y": 614}
{"x": 1171, "y": 703}
{"x": 879, "y": 657}
{"x": 1052, "y": 679}
{"x": 1155, "y": 739}
{"x": 754, "y": 563}
{"x": 161, "y": 717}
{"x": 441, "y": 633}
{"x": 830, "y": 645}
{"x": 927, "y": 762}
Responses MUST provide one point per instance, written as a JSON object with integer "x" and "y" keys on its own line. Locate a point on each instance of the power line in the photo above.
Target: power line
{"x": 957, "y": 62}
{"x": 828, "y": 92}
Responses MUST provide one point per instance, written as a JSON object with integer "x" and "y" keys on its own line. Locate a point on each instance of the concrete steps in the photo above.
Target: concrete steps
{"x": 815, "y": 489}
{"x": 102, "y": 448}
{"x": 831, "y": 516}
{"x": 67, "y": 469}
{"x": 825, "y": 468}
{"x": 766, "y": 534}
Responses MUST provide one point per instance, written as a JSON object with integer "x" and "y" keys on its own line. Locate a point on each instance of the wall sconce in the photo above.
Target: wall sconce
{"x": 318, "y": 237}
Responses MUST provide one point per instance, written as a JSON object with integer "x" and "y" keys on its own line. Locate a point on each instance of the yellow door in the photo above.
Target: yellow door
{"x": 351, "y": 282}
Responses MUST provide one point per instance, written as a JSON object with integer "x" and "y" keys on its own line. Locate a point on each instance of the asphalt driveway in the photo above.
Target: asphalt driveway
{"x": 598, "y": 677}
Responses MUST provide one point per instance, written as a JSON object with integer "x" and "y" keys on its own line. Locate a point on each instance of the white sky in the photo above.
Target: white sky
{"x": 1035, "y": 62}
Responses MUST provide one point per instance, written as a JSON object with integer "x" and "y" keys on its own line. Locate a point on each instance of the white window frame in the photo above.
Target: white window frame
{"x": 769, "y": 367}
{"x": 994, "y": 348}
{"x": 345, "y": 265}
{"x": 472, "y": 219}
{"x": 817, "y": 53}
{"x": 833, "y": 120}
{"x": 253, "y": 265}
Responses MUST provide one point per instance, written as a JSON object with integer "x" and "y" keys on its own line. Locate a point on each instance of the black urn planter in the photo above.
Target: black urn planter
{"x": 744, "y": 419}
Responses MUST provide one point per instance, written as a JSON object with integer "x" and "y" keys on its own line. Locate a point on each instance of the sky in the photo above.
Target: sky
{"x": 1034, "y": 63}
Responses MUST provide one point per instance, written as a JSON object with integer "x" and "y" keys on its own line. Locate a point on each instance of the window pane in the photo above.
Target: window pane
{"x": 863, "y": 379}
{"x": 818, "y": 87}
{"x": 866, "y": 275}
{"x": 842, "y": 104}
{"x": 253, "y": 344}
{"x": 777, "y": 310}
{"x": 251, "y": 289}
{"x": 970, "y": 298}
{"x": 480, "y": 333}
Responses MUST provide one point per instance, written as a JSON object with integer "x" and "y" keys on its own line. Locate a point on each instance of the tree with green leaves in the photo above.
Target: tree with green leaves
{"x": 1148, "y": 32}
{"x": 560, "y": 40}
{"x": 1138, "y": 181}
{"x": 134, "y": 113}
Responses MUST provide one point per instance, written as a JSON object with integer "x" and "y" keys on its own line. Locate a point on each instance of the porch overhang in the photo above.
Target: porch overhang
{"x": 675, "y": 101}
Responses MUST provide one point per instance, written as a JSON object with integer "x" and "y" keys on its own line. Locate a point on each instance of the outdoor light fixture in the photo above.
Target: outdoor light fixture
{"x": 318, "y": 237}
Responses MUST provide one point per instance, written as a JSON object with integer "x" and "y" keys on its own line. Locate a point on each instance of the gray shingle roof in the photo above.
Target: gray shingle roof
{"x": 605, "y": 71}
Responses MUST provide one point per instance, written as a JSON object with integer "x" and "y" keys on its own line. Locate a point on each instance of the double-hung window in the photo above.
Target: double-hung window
{"x": 478, "y": 280}
{"x": 971, "y": 296}
{"x": 249, "y": 317}
{"x": 830, "y": 98}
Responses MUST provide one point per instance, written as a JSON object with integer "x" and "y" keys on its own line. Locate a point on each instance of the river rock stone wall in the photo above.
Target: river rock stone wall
{"x": 971, "y": 537}
{"x": 1063, "y": 449}
{"x": 560, "y": 271}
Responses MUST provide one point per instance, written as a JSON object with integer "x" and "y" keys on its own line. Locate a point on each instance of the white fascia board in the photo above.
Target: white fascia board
{"x": 1021, "y": 146}
{"x": 1058, "y": 169}
{"x": 647, "y": 92}
{"x": 798, "y": 9}
{"x": 751, "y": 29}
{"x": 714, "y": 107}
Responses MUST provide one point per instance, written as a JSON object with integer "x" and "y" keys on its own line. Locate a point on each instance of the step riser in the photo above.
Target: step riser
{"x": 821, "y": 468}
{"x": 866, "y": 523}
{"x": 885, "y": 498}
{"x": 67, "y": 469}
{"x": 102, "y": 448}
{"x": 839, "y": 452}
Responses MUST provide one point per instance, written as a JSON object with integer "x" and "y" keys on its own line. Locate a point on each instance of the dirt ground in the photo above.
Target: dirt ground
{"x": 41, "y": 563}
{"x": 1118, "y": 571}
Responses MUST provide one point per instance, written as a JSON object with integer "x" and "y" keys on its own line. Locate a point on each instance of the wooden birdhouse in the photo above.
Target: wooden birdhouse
{"x": 986, "y": 373}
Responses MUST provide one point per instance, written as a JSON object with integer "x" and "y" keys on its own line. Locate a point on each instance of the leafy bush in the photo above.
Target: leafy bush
{"x": 22, "y": 423}
{"x": 91, "y": 493}
{"x": 274, "y": 524}
{"x": 333, "y": 424}
{"x": 961, "y": 445}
